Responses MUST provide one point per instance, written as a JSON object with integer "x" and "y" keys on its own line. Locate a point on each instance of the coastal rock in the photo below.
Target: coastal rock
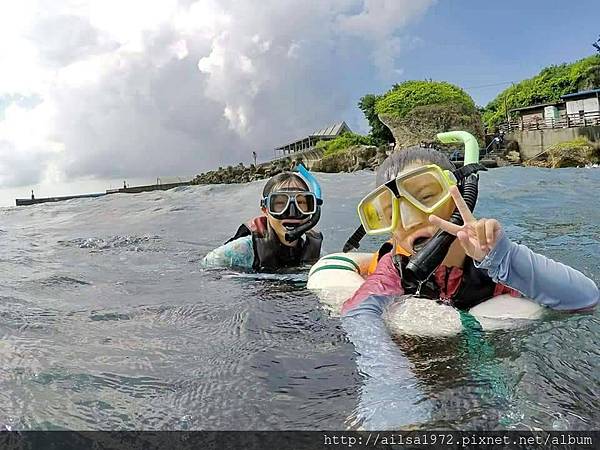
{"x": 358, "y": 157}
{"x": 501, "y": 162}
{"x": 512, "y": 146}
{"x": 538, "y": 163}
{"x": 513, "y": 157}
{"x": 349, "y": 160}
{"x": 577, "y": 153}
{"x": 424, "y": 122}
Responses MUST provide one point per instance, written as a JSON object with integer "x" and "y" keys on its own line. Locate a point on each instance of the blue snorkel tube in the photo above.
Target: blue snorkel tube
{"x": 315, "y": 188}
{"x": 311, "y": 181}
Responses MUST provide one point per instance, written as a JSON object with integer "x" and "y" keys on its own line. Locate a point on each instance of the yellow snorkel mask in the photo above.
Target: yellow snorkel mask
{"x": 422, "y": 190}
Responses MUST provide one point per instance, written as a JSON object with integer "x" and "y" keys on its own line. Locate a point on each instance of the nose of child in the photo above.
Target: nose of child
{"x": 411, "y": 217}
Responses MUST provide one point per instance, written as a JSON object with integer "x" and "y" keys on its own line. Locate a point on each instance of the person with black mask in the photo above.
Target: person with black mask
{"x": 283, "y": 235}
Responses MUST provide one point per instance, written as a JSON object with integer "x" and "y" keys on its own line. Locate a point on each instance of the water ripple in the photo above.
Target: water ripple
{"x": 108, "y": 322}
{"x": 127, "y": 243}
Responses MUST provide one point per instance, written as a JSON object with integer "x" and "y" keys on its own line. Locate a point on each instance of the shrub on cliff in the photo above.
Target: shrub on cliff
{"x": 342, "y": 142}
{"x": 548, "y": 86}
{"x": 576, "y": 153}
{"x": 404, "y": 97}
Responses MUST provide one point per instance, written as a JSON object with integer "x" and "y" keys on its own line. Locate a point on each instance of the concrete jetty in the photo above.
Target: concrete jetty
{"x": 124, "y": 190}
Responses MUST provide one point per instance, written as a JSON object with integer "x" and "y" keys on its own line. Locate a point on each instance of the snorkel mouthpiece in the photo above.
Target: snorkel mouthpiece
{"x": 292, "y": 236}
{"x": 315, "y": 188}
{"x": 291, "y": 226}
{"x": 420, "y": 243}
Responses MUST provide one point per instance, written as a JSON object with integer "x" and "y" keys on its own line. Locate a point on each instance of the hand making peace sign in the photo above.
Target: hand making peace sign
{"x": 477, "y": 237}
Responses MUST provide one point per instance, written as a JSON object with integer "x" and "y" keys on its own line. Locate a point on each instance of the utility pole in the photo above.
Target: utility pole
{"x": 506, "y": 111}
{"x": 506, "y": 108}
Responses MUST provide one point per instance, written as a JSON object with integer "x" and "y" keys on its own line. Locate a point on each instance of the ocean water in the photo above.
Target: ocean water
{"x": 107, "y": 320}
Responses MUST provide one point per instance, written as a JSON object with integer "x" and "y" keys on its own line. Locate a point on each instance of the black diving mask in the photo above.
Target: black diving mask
{"x": 290, "y": 204}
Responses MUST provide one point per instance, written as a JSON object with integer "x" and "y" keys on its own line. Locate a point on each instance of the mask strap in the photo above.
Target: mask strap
{"x": 353, "y": 241}
{"x": 468, "y": 170}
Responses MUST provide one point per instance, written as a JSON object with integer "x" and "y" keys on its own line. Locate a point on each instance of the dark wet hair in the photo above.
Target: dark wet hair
{"x": 397, "y": 161}
{"x": 280, "y": 179}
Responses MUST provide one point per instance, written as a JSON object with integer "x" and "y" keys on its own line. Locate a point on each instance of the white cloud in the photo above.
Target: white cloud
{"x": 382, "y": 18}
{"x": 379, "y": 21}
{"x": 180, "y": 49}
{"x": 27, "y": 143}
{"x": 136, "y": 88}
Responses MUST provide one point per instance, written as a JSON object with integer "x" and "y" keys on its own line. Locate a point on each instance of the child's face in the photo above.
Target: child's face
{"x": 414, "y": 228}
{"x": 279, "y": 225}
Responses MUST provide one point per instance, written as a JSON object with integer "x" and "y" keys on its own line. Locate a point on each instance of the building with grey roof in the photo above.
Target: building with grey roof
{"x": 309, "y": 142}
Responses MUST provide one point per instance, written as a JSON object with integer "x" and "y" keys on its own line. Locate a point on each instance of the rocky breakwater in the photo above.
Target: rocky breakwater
{"x": 244, "y": 174}
{"x": 358, "y": 157}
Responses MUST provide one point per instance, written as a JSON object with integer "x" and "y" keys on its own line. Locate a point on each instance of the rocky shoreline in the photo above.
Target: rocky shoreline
{"x": 358, "y": 157}
{"x": 577, "y": 153}
{"x": 355, "y": 158}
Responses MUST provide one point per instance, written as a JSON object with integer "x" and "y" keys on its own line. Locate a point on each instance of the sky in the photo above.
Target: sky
{"x": 94, "y": 92}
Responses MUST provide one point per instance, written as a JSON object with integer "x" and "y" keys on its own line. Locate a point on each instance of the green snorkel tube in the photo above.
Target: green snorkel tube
{"x": 423, "y": 264}
{"x": 471, "y": 145}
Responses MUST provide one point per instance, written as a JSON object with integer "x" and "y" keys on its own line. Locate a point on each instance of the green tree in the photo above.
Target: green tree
{"x": 404, "y": 97}
{"x": 379, "y": 132}
{"x": 548, "y": 86}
